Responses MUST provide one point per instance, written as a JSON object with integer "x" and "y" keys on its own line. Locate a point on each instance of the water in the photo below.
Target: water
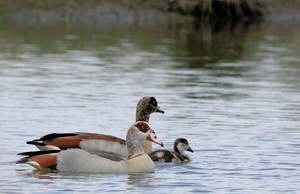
{"x": 233, "y": 93}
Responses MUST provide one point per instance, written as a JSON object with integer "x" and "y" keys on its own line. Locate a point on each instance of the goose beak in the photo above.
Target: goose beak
{"x": 152, "y": 137}
{"x": 190, "y": 149}
{"x": 160, "y": 110}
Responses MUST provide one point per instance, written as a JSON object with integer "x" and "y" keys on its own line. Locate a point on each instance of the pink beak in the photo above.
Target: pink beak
{"x": 152, "y": 137}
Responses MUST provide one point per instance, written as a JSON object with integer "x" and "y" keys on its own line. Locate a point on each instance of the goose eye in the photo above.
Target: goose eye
{"x": 154, "y": 135}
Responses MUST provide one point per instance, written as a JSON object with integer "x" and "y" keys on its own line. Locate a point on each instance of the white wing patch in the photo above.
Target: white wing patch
{"x": 159, "y": 154}
{"x": 47, "y": 147}
{"x": 176, "y": 160}
{"x": 34, "y": 164}
{"x": 78, "y": 160}
{"x": 103, "y": 145}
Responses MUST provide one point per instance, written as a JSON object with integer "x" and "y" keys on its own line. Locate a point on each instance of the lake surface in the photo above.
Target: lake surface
{"x": 234, "y": 93}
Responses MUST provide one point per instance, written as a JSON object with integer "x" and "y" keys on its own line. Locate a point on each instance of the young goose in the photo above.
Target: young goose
{"x": 178, "y": 156}
{"x": 94, "y": 141}
{"x": 79, "y": 160}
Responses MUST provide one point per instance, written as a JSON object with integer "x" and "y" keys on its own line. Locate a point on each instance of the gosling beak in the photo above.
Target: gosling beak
{"x": 190, "y": 149}
{"x": 152, "y": 137}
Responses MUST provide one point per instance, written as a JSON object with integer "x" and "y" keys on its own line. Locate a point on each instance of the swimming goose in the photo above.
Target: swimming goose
{"x": 177, "y": 156}
{"x": 79, "y": 160}
{"x": 94, "y": 141}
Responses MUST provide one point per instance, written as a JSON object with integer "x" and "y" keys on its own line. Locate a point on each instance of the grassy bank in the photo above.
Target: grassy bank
{"x": 138, "y": 12}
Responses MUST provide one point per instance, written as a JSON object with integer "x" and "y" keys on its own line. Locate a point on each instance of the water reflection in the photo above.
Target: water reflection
{"x": 194, "y": 47}
{"x": 35, "y": 173}
{"x": 211, "y": 44}
{"x": 200, "y": 47}
{"x": 134, "y": 181}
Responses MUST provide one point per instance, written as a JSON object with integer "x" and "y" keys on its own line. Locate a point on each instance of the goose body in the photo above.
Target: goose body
{"x": 79, "y": 160}
{"x": 177, "y": 156}
{"x": 94, "y": 141}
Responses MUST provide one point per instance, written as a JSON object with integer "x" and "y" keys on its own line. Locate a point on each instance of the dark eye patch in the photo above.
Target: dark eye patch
{"x": 184, "y": 141}
{"x": 153, "y": 101}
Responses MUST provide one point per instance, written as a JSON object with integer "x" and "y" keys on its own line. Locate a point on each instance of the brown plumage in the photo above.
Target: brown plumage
{"x": 79, "y": 160}
{"x": 177, "y": 156}
{"x": 61, "y": 141}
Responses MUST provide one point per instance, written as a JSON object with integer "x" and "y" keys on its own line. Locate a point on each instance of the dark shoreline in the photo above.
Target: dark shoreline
{"x": 143, "y": 13}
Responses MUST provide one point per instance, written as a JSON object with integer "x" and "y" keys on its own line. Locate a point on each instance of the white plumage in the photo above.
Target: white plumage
{"x": 79, "y": 160}
{"x": 103, "y": 145}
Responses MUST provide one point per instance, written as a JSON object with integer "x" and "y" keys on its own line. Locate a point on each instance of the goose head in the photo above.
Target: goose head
{"x": 139, "y": 131}
{"x": 146, "y": 106}
{"x": 181, "y": 145}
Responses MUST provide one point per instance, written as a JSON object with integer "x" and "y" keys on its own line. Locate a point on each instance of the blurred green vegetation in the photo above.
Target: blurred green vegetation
{"x": 62, "y": 10}
{"x": 204, "y": 10}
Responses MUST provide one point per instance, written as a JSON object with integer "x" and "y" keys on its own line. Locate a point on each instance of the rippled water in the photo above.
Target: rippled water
{"x": 234, "y": 94}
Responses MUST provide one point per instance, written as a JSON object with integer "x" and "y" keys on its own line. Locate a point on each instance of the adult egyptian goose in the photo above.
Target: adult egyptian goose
{"x": 79, "y": 160}
{"x": 177, "y": 156}
{"x": 94, "y": 141}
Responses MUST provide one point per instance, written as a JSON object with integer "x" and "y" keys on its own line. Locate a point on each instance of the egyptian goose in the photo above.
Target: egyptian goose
{"x": 79, "y": 160}
{"x": 94, "y": 141}
{"x": 177, "y": 156}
